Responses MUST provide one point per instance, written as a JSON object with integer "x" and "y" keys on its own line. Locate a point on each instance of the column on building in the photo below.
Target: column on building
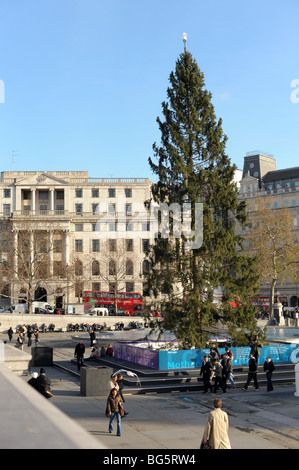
{"x": 67, "y": 248}
{"x": 51, "y": 252}
{"x": 15, "y": 252}
{"x": 33, "y": 191}
{"x": 52, "y": 199}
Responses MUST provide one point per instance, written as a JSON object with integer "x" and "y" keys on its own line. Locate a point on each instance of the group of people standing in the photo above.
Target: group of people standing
{"x": 22, "y": 331}
{"x": 220, "y": 368}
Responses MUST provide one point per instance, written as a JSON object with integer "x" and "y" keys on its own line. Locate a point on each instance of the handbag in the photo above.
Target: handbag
{"x": 122, "y": 413}
{"x": 205, "y": 445}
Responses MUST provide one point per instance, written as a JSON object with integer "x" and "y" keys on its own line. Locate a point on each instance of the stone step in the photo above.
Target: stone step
{"x": 16, "y": 360}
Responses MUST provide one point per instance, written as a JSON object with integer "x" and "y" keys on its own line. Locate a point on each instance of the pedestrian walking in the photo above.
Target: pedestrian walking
{"x": 269, "y": 368}
{"x": 224, "y": 366}
{"x": 10, "y": 333}
{"x": 206, "y": 372}
{"x": 113, "y": 383}
{"x": 218, "y": 379}
{"x": 29, "y": 336}
{"x": 230, "y": 375}
{"x": 114, "y": 409}
{"x": 36, "y": 336}
{"x": 120, "y": 383}
{"x": 215, "y": 434}
{"x": 20, "y": 341}
{"x": 92, "y": 337}
{"x": 79, "y": 354}
{"x": 252, "y": 373}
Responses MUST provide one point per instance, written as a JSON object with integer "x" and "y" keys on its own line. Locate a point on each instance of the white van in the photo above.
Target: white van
{"x": 23, "y": 308}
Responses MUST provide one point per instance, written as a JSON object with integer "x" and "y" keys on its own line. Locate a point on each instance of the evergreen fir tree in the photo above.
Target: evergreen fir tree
{"x": 191, "y": 164}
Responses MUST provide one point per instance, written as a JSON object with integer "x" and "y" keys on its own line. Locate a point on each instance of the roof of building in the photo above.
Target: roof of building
{"x": 287, "y": 173}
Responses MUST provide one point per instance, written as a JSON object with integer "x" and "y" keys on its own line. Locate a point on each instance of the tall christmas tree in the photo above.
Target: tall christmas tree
{"x": 192, "y": 166}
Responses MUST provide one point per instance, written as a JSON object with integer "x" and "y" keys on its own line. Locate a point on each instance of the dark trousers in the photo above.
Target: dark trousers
{"x": 218, "y": 382}
{"x": 206, "y": 383}
{"x": 269, "y": 381}
{"x": 79, "y": 361}
{"x": 252, "y": 375}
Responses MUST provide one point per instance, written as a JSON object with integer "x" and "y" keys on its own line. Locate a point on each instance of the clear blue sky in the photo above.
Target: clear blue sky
{"x": 85, "y": 79}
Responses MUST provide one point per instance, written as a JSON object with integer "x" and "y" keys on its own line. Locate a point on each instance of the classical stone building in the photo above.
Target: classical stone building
{"x": 96, "y": 230}
{"x": 262, "y": 179}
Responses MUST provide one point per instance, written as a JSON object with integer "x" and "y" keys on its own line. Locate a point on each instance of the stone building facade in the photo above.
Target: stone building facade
{"x": 89, "y": 224}
{"x": 262, "y": 179}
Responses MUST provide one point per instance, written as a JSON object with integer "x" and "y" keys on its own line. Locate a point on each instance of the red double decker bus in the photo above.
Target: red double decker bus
{"x": 263, "y": 301}
{"x": 130, "y": 302}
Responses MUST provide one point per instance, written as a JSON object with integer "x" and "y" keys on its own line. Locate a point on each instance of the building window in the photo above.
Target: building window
{"x": 145, "y": 289}
{"x": 129, "y": 209}
{"x": 78, "y": 268}
{"x": 57, "y": 269}
{"x": 7, "y": 193}
{"x": 145, "y": 267}
{"x": 275, "y": 205}
{"x": 129, "y": 245}
{"x": 79, "y": 192}
{"x": 288, "y": 185}
{"x": 129, "y": 268}
{"x": 96, "y": 286}
{"x": 95, "y": 246}
{"x": 96, "y": 227}
{"x": 111, "y": 192}
{"x": 60, "y": 194}
{"x": 6, "y": 208}
{"x": 112, "y": 226}
{"x": 78, "y": 208}
{"x": 128, "y": 192}
{"x": 43, "y": 207}
{"x": 95, "y": 208}
{"x": 78, "y": 227}
{"x": 59, "y": 207}
{"x": 130, "y": 227}
{"x": 145, "y": 245}
{"x": 112, "y": 268}
{"x": 286, "y": 203}
{"x": 294, "y": 203}
{"x": 129, "y": 286}
{"x": 95, "y": 268}
{"x": 43, "y": 195}
{"x": 145, "y": 226}
{"x": 26, "y": 195}
{"x": 278, "y": 186}
{"x": 94, "y": 192}
{"x": 111, "y": 209}
{"x": 112, "y": 246}
{"x": 57, "y": 246}
{"x": 79, "y": 246}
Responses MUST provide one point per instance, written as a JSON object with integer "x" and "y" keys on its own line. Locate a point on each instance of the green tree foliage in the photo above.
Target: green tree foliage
{"x": 192, "y": 166}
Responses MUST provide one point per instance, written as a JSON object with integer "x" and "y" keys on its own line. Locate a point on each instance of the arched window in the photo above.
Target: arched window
{"x": 95, "y": 268}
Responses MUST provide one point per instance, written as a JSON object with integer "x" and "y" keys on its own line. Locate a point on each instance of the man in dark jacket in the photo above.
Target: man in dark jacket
{"x": 269, "y": 367}
{"x": 44, "y": 384}
{"x": 206, "y": 371}
{"x": 79, "y": 353}
{"x": 252, "y": 373}
{"x": 218, "y": 380}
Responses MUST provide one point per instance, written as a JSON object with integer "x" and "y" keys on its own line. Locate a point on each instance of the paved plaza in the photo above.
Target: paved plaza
{"x": 165, "y": 421}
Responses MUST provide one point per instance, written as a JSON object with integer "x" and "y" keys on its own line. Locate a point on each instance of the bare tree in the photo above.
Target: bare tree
{"x": 274, "y": 242}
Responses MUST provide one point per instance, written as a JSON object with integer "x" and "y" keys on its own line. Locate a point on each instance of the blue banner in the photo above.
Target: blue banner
{"x": 192, "y": 359}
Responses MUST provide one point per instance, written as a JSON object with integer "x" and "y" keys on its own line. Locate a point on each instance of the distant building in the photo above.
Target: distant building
{"x": 80, "y": 215}
{"x": 262, "y": 179}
